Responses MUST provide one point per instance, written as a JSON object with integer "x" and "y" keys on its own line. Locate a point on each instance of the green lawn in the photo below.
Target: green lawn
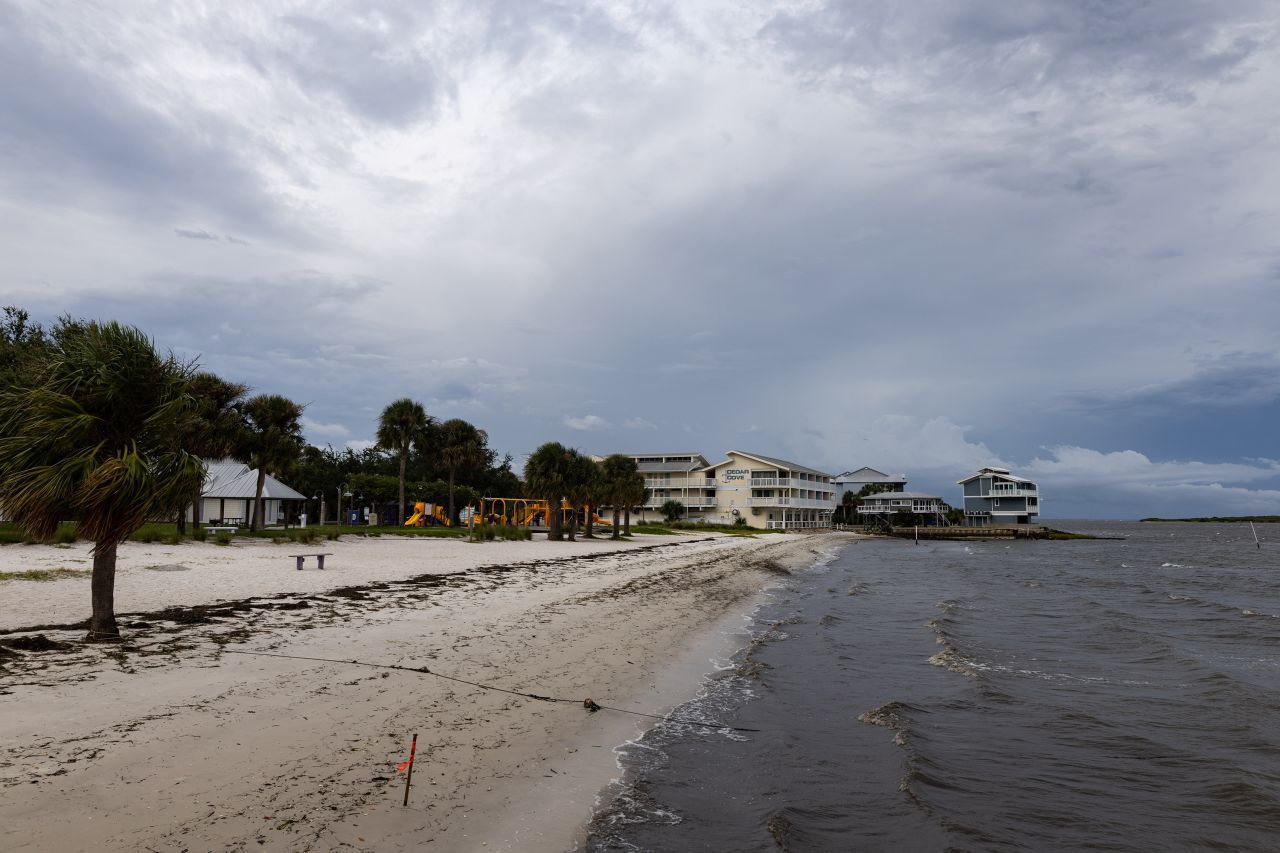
{"x": 168, "y": 533}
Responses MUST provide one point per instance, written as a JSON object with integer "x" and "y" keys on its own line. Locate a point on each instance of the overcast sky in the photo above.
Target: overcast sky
{"x": 921, "y": 236}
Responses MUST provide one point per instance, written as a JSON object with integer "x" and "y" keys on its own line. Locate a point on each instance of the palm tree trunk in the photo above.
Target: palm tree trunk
{"x": 554, "y": 517}
{"x": 452, "y": 519}
{"x": 102, "y": 624}
{"x": 617, "y": 523}
{"x": 573, "y": 524}
{"x": 256, "y": 520}
{"x": 196, "y": 507}
{"x": 628, "y": 531}
{"x": 591, "y": 511}
{"x": 404, "y": 460}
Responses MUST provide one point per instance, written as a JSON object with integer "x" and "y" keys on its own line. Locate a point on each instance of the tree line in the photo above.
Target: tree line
{"x": 101, "y": 428}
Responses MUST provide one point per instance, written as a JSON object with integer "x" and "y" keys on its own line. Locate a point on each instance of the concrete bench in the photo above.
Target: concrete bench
{"x": 319, "y": 559}
{"x": 230, "y": 530}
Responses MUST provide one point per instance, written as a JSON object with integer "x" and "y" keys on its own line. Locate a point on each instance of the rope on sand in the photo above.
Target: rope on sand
{"x": 422, "y": 670}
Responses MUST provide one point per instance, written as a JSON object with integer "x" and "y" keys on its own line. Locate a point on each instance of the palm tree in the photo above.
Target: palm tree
{"x": 403, "y": 424}
{"x": 214, "y": 428}
{"x": 274, "y": 440}
{"x": 584, "y": 482}
{"x": 636, "y": 496}
{"x": 619, "y": 473}
{"x": 463, "y": 446}
{"x": 89, "y": 436}
{"x": 547, "y": 475}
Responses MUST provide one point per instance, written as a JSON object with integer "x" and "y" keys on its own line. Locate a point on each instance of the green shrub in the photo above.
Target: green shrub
{"x": 149, "y": 536}
{"x": 64, "y": 536}
{"x": 199, "y": 534}
{"x": 173, "y": 539}
{"x": 222, "y": 537}
{"x": 332, "y": 535}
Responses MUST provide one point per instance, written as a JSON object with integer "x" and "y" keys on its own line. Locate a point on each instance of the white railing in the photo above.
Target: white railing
{"x": 790, "y": 483}
{"x": 914, "y": 506}
{"x": 796, "y": 525}
{"x": 805, "y": 503}
{"x": 689, "y": 502}
{"x": 1011, "y": 492}
{"x": 679, "y": 483}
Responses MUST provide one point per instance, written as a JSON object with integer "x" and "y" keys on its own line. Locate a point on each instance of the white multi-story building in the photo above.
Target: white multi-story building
{"x": 677, "y": 477}
{"x": 765, "y": 492}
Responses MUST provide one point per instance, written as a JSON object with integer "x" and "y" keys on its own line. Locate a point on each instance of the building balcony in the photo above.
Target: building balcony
{"x": 689, "y": 501}
{"x": 679, "y": 483}
{"x": 795, "y": 503}
{"x": 790, "y": 483}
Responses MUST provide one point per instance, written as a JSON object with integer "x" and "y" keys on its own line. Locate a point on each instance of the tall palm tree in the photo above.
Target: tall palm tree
{"x": 403, "y": 425}
{"x": 463, "y": 446}
{"x": 583, "y": 479}
{"x": 274, "y": 440}
{"x": 546, "y": 476}
{"x": 214, "y": 428}
{"x": 619, "y": 473}
{"x": 89, "y": 436}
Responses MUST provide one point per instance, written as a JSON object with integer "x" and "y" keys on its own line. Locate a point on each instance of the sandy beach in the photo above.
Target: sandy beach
{"x": 176, "y": 741}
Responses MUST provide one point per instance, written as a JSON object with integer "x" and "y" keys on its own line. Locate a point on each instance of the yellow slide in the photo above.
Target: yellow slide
{"x": 416, "y": 519}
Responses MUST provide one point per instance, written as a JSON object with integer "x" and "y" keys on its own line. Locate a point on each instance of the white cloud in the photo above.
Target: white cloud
{"x": 1080, "y": 466}
{"x": 586, "y": 422}
{"x": 358, "y": 444}
{"x": 639, "y": 423}
{"x": 331, "y": 431}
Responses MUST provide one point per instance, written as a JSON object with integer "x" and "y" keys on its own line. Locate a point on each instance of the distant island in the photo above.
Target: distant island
{"x": 1259, "y": 519}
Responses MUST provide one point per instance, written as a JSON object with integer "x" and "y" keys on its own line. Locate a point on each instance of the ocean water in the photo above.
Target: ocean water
{"x": 1071, "y": 695}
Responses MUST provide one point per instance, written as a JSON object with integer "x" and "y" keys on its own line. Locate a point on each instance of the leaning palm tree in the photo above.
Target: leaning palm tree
{"x": 274, "y": 440}
{"x": 463, "y": 446}
{"x": 546, "y": 476}
{"x": 403, "y": 425}
{"x": 89, "y": 436}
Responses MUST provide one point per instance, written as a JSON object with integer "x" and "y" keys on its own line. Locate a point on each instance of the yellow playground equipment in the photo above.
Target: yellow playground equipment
{"x": 521, "y": 512}
{"x": 424, "y": 511}
{"x": 526, "y": 512}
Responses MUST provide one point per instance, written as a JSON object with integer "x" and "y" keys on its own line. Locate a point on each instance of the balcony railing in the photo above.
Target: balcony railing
{"x": 790, "y": 483}
{"x": 679, "y": 483}
{"x": 804, "y": 503}
{"x": 690, "y": 502}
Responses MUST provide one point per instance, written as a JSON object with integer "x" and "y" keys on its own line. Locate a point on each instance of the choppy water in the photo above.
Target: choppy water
{"x": 1076, "y": 695}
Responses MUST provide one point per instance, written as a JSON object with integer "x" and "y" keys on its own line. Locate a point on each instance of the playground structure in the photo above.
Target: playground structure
{"x": 529, "y": 512}
{"x": 519, "y": 512}
{"x": 425, "y": 513}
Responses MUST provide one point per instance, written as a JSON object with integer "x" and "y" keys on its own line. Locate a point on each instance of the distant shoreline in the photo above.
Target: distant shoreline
{"x": 1225, "y": 519}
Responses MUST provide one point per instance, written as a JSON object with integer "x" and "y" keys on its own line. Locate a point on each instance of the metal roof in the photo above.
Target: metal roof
{"x": 870, "y": 475}
{"x": 994, "y": 472}
{"x": 895, "y": 496}
{"x": 769, "y": 460}
{"x": 227, "y": 479}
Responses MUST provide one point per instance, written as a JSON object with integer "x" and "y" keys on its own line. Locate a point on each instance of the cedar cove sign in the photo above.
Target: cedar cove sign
{"x": 735, "y": 474}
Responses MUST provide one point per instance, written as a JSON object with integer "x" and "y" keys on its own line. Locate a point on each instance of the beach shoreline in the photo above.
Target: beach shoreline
{"x": 173, "y": 742}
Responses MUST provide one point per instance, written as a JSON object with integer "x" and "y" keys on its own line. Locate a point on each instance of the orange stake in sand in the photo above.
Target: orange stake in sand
{"x": 408, "y": 766}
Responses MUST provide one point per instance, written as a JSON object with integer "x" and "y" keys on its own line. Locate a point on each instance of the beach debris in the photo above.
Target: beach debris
{"x": 589, "y": 705}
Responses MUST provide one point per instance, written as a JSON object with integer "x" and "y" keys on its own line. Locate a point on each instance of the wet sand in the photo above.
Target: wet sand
{"x": 171, "y": 742}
